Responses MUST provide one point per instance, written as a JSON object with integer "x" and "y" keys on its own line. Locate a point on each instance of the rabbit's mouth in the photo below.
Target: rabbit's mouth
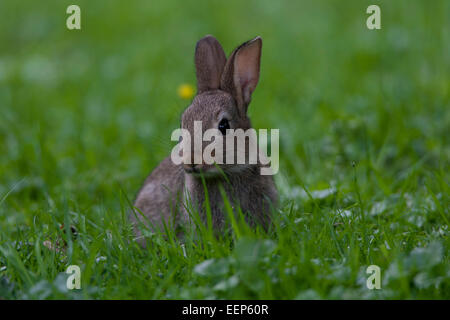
{"x": 191, "y": 170}
{"x": 201, "y": 170}
{"x": 214, "y": 171}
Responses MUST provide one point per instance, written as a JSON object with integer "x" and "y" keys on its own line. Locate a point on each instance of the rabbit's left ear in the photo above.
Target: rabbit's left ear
{"x": 241, "y": 73}
{"x": 210, "y": 60}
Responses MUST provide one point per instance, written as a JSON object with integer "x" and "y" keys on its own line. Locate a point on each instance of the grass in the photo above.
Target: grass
{"x": 364, "y": 149}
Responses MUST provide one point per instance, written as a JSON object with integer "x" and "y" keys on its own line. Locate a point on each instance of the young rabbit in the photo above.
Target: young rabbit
{"x": 224, "y": 89}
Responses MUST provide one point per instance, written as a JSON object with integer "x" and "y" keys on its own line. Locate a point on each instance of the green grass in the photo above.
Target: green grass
{"x": 364, "y": 123}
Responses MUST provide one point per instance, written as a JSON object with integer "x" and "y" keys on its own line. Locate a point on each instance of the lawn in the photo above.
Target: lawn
{"x": 364, "y": 118}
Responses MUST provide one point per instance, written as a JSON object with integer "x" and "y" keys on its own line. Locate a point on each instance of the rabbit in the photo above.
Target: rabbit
{"x": 224, "y": 90}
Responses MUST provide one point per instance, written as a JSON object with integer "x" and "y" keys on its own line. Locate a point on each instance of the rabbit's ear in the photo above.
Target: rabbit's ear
{"x": 210, "y": 60}
{"x": 241, "y": 73}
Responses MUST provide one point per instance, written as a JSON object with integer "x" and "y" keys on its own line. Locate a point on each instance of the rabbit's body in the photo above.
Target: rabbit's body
{"x": 249, "y": 190}
{"x": 224, "y": 92}
{"x": 168, "y": 188}
{"x": 159, "y": 197}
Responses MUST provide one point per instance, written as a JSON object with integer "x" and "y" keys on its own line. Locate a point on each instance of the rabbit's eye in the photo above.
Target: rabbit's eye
{"x": 223, "y": 126}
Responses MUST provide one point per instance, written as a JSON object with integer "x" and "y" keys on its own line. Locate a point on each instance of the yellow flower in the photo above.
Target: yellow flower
{"x": 185, "y": 91}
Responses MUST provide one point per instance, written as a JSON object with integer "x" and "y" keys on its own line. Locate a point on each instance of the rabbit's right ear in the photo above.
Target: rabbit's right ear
{"x": 210, "y": 60}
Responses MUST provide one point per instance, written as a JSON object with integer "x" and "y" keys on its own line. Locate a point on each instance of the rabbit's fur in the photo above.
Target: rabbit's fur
{"x": 224, "y": 90}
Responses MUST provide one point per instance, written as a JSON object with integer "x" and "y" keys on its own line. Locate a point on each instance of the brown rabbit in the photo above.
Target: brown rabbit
{"x": 224, "y": 93}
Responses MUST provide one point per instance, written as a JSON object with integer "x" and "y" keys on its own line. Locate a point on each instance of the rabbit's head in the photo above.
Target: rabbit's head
{"x": 224, "y": 89}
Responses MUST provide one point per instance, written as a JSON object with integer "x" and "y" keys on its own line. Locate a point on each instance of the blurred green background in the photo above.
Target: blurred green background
{"x": 87, "y": 114}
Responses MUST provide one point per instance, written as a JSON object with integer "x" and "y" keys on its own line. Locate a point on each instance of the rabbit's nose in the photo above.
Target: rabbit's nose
{"x": 190, "y": 168}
